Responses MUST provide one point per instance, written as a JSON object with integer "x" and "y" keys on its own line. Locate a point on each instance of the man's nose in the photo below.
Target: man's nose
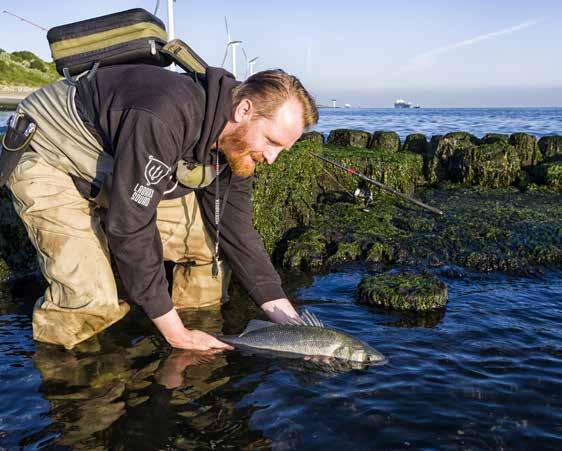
{"x": 271, "y": 155}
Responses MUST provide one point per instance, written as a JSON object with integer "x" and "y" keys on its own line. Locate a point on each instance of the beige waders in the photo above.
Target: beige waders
{"x": 66, "y": 229}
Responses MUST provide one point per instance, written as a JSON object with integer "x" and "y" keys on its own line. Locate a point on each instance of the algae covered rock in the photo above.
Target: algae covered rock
{"x": 492, "y": 138}
{"x": 315, "y": 137}
{"x": 527, "y": 148}
{"x": 349, "y": 138}
{"x": 416, "y": 143}
{"x": 451, "y": 156}
{"x": 403, "y": 291}
{"x": 549, "y": 174}
{"x": 385, "y": 141}
{"x": 460, "y": 157}
{"x": 284, "y": 193}
{"x": 307, "y": 252}
{"x": 493, "y": 165}
{"x": 402, "y": 171}
{"x": 551, "y": 146}
{"x": 16, "y": 251}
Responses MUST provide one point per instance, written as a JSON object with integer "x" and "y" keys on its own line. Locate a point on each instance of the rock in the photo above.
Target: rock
{"x": 416, "y": 143}
{"x": 450, "y": 159}
{"x": 549, "y": 174}
{"x": 16, "y": 251}
{"x": 284, "y": 193}
{"x": 527, "y": 149}
{"x": 349, "y": 138}
{"x": 551, "y": 146}
{"x": 492, "y": 138}
{"x": 402, "y": 171}
{"x": 493, "y": 165}
{"x": 315, "y": 137}
{"x": 387, "y": 141}
{"x": 307, "y": 252}
{"x": 403, "y": 291}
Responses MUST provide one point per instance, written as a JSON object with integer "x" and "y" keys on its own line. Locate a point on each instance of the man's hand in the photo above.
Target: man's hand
{"x": 178, "y": 336}
{"x": 280, "y": 311}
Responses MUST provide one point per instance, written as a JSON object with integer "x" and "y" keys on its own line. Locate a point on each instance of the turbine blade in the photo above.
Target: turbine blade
{"x": 227, "y": 32}
{"x": 225, "y": 55}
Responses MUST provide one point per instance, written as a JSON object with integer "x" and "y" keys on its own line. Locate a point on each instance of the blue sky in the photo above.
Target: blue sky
{"x": 435, "y": 53}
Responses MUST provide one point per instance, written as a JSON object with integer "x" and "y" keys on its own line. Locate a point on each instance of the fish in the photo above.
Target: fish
{"x": 307, "y": 337}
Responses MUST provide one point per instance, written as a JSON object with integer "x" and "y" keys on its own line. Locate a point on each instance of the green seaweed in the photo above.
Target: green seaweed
{"x": 403, "y": 291}
{"x": 386, "y": 141}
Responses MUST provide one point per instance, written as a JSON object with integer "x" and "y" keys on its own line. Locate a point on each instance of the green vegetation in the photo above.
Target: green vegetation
{"x": 25, "y": 69}
{"x": 403, "y": 291}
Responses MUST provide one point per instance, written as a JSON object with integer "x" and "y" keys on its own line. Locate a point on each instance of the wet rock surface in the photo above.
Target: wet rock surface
{"x": 482, "y": 229}
{"x": 349, "y": 138}
{"x": 386, "y": 141}
{"x": 403, "y": 291}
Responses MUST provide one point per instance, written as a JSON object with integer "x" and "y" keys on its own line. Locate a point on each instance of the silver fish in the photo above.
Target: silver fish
{"x": 308, "y": 337}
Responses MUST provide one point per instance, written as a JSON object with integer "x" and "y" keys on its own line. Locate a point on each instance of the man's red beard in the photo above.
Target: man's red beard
{"x": 235, "y": 148}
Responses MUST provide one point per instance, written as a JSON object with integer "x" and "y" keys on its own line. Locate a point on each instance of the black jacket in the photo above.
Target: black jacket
{"x": 149, "y": 118}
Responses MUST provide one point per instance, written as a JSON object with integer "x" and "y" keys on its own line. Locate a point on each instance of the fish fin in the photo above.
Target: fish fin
{"x": 256, "y": 324}
{"x": 309, "y": 319}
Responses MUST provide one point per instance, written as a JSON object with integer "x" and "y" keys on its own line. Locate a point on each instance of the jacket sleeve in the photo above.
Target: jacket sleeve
{"x": 240, "y": 243}
{"x": 146, "y": 152}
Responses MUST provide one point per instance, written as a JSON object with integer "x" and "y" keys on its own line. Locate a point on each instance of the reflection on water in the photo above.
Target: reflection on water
{"x": 485, "y": 373}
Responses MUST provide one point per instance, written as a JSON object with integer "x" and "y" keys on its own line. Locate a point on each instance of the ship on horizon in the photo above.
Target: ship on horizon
{"x": 401, "y": 103}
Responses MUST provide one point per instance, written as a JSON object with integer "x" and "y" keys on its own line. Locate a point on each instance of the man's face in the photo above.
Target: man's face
{"x": 261, "y": 140}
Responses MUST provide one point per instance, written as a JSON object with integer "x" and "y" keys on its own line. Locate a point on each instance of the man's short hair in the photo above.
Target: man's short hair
{"x": 269, "y": 89}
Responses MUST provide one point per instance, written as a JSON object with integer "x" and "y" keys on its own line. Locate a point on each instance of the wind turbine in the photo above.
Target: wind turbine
{"x": 249, "y": 64}
{"x": 232, "y": 46}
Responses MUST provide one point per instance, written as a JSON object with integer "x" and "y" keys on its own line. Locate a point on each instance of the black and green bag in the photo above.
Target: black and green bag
{"x": 132, "y": 36}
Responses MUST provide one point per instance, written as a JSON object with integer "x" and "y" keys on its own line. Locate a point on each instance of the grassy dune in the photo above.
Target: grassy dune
{"x": 24, "y": 68}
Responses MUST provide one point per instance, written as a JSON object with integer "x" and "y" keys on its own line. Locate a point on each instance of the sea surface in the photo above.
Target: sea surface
{"x": 484, "y": 374}
{"x": 435, "y": 121}
{"x": 438, "y": 121}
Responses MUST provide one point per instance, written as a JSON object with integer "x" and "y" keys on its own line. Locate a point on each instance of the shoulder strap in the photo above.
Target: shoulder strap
{"x": 184, "y": 56}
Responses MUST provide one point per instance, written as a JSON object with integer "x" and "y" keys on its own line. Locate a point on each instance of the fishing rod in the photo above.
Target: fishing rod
{"x": 352, "y": 171}
{"x": 24, "y": 20}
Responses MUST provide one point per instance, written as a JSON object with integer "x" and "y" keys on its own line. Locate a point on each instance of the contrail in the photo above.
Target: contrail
{"x": 424, "y": 59}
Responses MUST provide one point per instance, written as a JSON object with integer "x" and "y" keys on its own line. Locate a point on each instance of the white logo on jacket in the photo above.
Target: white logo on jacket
{"x": 155, "y": 171}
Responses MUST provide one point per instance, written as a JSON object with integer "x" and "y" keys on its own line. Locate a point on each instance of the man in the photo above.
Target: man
{"x": 152, "y": 165}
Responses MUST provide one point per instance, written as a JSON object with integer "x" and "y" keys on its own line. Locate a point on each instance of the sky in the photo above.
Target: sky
{"x": 436, "y": 53}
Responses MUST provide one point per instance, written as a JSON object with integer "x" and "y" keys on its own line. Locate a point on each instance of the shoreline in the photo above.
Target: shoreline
{"x": 10, "y": 96}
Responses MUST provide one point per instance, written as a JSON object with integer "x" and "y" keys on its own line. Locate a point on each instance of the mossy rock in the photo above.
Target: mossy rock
{"x": 16, "y": 251}
{"x": 416, "y": 143}
{"x": 307, "y": 252}
{"x": 403, "y": 291}
{"x": 345, "y": 253}
{"x": 493, "y": 138}
{"x": 385, "y": 140}
{"x": 527, "y": 149}
{"x": 493, "y": 165}
{"x": 549, "y": 174}
{"x": 399, "y": 170}
{"x": 315, "y": 137}
{"x": 551, "y": 146}
{"x": 284, "y": 193}
{"x": 501, "y": 229}
{"x": 451, "y": 158}
{"x": 346, "y": 137}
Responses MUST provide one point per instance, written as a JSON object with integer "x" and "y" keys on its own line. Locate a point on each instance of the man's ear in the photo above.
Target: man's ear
{"x": 244, "y": 111}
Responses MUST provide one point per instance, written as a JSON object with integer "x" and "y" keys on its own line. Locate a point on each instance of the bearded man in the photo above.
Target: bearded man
{"x": 148, "y": 165}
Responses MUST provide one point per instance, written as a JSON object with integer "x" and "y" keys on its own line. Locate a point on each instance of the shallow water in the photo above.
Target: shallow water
{"x": 485, "y": 374}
